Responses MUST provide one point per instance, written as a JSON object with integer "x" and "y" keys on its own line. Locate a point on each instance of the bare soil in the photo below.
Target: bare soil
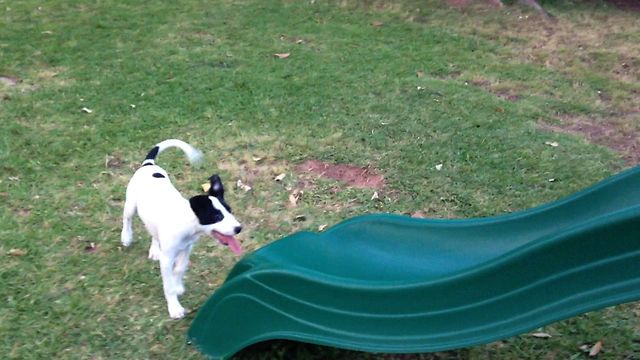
{"x": 359, "y": 177}
{"x": 605, "y": 132}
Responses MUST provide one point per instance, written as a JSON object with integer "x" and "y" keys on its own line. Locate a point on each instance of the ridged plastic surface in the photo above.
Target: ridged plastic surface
{"x": 388, "y": 283}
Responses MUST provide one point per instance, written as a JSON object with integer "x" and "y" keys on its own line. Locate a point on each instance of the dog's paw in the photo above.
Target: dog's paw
{"x": 177, "y": 312}
{"x": 126, "y": 240}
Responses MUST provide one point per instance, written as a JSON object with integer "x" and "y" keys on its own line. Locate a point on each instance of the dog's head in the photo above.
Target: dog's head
{"x": 214, "y": 215}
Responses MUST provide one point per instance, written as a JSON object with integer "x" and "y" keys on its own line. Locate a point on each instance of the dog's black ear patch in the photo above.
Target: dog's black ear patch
{"x": 158, "y": 175}
{"x": 216, "y": 189}
{"x": 204, "y": 210}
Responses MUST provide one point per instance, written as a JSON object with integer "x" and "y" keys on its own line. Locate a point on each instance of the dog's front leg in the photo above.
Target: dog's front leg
{"x": 169, "y": 284}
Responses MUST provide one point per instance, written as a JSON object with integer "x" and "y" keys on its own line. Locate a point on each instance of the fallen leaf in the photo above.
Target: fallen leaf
{"x": 595, "y": 350}
{"x": 47, "y": 32}
{"x": 243, "y": 186}
{"x": 376, "y": 23}
{"x": 282, "y": 55}
{"x": 418, "y": 215}
{"x": 295, "y": 196}
{"x": 17, "y": 252}
{"x": 322, "y": 227}
{"x": 551, "y": 143}
{"x": 420, "y": 74}
{"x": 206, "y": 187}
{"x": 375, "y": 196}
{"x": 256, "y": 158}
{"x": 92, "y": 247}
{"x": 280, "y": 177}
{"x": 439, "y": 167}
{"x": 86, "y": 110}
{"x": 300, "y": 218}
{"x": 541, "y": 335}
{"x": 9, "y": 80}
{"x": 552, "y": 180}
{"x": 500, "y": 110}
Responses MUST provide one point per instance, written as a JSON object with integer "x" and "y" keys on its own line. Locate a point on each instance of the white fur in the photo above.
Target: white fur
{"x": 169, "y": 219}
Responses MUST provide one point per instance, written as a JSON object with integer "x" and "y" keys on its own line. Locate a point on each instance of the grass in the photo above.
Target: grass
{"x": 399, "y": 85}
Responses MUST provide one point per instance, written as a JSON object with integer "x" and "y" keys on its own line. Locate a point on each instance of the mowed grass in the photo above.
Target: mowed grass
{"x": 401, "y": 86}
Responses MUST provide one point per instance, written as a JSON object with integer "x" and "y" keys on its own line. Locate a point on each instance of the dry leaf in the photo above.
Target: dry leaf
{"x": 300, "y": 218}
{"x": 242, "y": 185}
{"x": 87, "y": 110}
{"x": 282, "y": 55}
{"x": 9, "y": 80}
{"x": 500, "y": 110}
{"x": 595, "y": 350}
{"x": 541, "y": 335}
{"x": 552, "y": 180}
{"x": 420, "y": 74}
{"x": 92, "y": 247}
{"x": 439, "y": 167}
{"x": 551, "y": 143}
{"x": 418, "y": 215}
{"x": 17, "y": 252}
{"x": 376, "y": 23}
{"x": 375, "y": 196}
{"x": 256, "y": 158}
{"x": 295, "y": 196}
{"x": 280, "y": 177}
{"x": 206, "y": 187}
{"x": 322, "y": 227}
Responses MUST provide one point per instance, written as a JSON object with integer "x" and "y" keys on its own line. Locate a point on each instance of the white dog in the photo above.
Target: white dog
{"x": 173, "y": 222}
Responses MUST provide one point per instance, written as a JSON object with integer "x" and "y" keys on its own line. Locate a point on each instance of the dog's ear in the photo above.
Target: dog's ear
{"x": 216, "y": 189}
{"x": 204, "y": 210}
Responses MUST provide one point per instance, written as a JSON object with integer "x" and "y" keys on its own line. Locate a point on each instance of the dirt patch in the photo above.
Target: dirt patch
{"x": 359, "y": 177}
{"x": 464, "y": 3}
{"x": 633, "y": 5}
{"x": 616, "y": 135}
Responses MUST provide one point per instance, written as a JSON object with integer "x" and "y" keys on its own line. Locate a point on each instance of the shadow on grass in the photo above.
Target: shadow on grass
{"x": 293, "y": 350}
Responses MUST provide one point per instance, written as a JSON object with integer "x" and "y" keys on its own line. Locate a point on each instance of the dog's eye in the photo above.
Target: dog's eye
{"x": 217, "y": 217}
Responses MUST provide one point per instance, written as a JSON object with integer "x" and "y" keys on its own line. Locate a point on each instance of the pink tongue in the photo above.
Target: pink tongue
{"x": 235, "y": 246}
{"x": 231, "y": 242}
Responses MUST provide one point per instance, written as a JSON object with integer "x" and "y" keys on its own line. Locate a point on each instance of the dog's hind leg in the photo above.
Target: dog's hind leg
{"x": 154, "y": 249}
{"x": 180, "y": 267}
{"x": 127, "y": 222}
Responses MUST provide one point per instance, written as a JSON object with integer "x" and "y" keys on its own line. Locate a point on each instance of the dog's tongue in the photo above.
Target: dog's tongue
{"x": 230, "y": 241}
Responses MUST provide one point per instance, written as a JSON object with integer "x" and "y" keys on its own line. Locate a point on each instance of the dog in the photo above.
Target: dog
{"x": 175, "y": 223}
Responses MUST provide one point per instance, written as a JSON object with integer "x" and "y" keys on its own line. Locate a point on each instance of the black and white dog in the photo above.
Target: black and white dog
{"x": 173, "y": 222}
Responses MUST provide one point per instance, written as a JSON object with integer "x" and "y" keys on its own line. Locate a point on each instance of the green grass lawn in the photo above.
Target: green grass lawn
{"x": 400, "y": 86}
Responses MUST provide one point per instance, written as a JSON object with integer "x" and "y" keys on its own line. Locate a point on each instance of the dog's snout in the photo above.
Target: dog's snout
{"x": 237, "y": 229}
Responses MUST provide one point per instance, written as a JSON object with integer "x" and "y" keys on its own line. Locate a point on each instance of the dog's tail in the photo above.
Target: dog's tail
{"x": 194, "y": 155}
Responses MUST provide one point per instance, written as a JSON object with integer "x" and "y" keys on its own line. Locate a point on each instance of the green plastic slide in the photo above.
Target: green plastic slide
{"x": 396, "y": 284}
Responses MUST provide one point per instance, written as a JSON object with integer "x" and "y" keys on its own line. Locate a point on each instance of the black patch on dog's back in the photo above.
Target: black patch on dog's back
{"x": 158, "y": 175}
{"x": 204, "y": 210}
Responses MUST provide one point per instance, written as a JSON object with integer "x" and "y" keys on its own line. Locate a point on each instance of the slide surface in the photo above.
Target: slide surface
{"x": 389, "y": 283}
